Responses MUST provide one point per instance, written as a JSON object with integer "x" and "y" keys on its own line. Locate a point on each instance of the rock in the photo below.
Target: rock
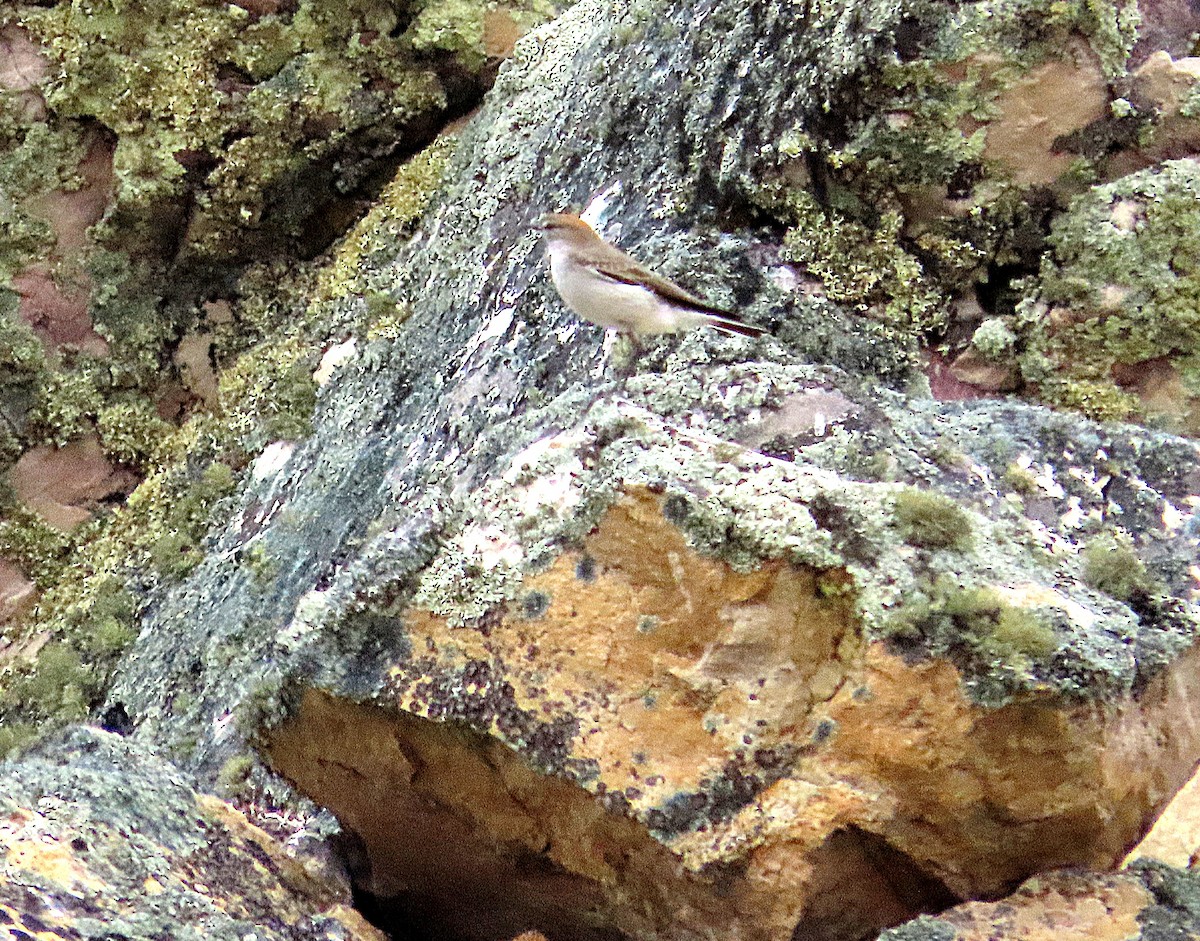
{"x": 973, "y": 368}
{"x": 1073, "y": 906}
{"x": 744, "y": 639}
{"x": 1052, "y": 100}
{"x": 22, "y": 69}
{"x": 103, "y": 839}
{"x": 1166, "y": 25}
{"x": 1111, "y": 302}
{"x": 1166, "y": 86}
{"x": 565, "y": 651}
{"x": 1175, "y": 836}
{"x": 193, "y": 356}
{"x": 17, "y": 592}
{"x": 63, "y": 485}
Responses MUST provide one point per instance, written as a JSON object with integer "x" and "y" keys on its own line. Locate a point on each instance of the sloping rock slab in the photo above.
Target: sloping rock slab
{"x": 100, "y": 840}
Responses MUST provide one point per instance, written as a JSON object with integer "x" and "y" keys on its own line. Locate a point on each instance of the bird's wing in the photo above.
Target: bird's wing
{"x": 620, "y": 267}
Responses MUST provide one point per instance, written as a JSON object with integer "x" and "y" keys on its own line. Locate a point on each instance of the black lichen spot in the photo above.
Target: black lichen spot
{"x": 721, "y": 797}
{"x": 1176, "y": 912}
{"x": 675, "y": 509}
{"x": 963, "y": 180}
{"x": 33, "y": 923}
{"x": 847, "y": 529}
{"x": 480, "y": 697}
{"x": 487, "y": 622}
{"x": 824, "y": 731}
{"x": 585, "y": 569}
{"x": 534, "y": 605}
{"x": 615, "y": 802}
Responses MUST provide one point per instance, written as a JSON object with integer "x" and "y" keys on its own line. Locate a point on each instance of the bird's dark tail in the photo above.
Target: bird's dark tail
{"x": 727, "y": 323}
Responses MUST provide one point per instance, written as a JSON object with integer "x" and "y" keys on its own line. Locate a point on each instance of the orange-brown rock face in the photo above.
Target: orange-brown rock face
{"x": 1058, "y": 907}
{"x": 688, "y": 751}
{"x": 99, "y": 836}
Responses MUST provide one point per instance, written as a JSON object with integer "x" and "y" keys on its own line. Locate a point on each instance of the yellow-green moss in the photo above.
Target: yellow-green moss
{"x": 234, "y": 774}
{"x": 132, "y": 433}
{"x": 1111, "y": 565}
{"x": 165, "y": 78}
{"x": 1121, "y": 287}
{"x": 174, "y": 544}
{"x": 388, "y": 222}
{"x": 975, "y": 627}
{"x": 15, "y": 736}
{"x": 1021, "y": 479}
{"x": 21, "y": 353}
{"x": 57, "y": 685}
{"x": 1098, "y": 399}
{"x": 932, "y": 521}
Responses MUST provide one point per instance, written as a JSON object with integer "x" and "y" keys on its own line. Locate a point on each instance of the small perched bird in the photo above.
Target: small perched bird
{"x": 604, "y": 286}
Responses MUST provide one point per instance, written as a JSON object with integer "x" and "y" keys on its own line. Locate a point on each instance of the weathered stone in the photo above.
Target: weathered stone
{"x": 63, "y": 485}
{"x": 1149, "y": 902}
{"x": 975, "y": 370}
{"x": 1053, "y": 100}
{"x": 16, "y": 594}
{"x": 573, "y": 649}
{"x": 1175, "y": 836}
{"x": 1170, "y": 88}
{"x": 101, "y": 839}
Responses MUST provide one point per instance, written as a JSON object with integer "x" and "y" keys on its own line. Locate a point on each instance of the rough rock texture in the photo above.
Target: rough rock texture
{"x": 154, "y": 161}
{"x": 689, "y": 651}
{"x": 1175, "y": 836}
{"x": 1149, "y": 902}
{"x": 752, "y": 640}
{"x": 100, "y": 839}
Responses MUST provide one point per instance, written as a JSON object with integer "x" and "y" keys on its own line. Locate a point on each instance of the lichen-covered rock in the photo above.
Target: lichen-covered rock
{"x": 738, "y": 639}
{"x": 1147, "y": 902}
{"x": 165, "y": 174}
{"x": 734, "y": 645}
{"x": 1114, "y": 320}
{"x": 101, "y": 839}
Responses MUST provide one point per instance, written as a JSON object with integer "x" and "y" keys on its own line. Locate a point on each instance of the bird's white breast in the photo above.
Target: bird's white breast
{"x": 609, "y": 303}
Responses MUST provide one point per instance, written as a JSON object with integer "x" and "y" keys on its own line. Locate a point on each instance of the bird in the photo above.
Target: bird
{"x": 604, "y": 286}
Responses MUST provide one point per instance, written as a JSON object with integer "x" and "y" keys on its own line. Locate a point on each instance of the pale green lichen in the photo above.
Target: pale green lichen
{"x": 902, "y": 209}
{"x": 150, "y": 76}
{"x": 67, "y": 404}
{"x": 1122, "y": 286}
{"x": 31, "y": 543}
{"x": 132, "y": 433}
{"x": 862, "y": 268}
{"x": 386, "y": 225}
{"x": 994, "y": 339}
